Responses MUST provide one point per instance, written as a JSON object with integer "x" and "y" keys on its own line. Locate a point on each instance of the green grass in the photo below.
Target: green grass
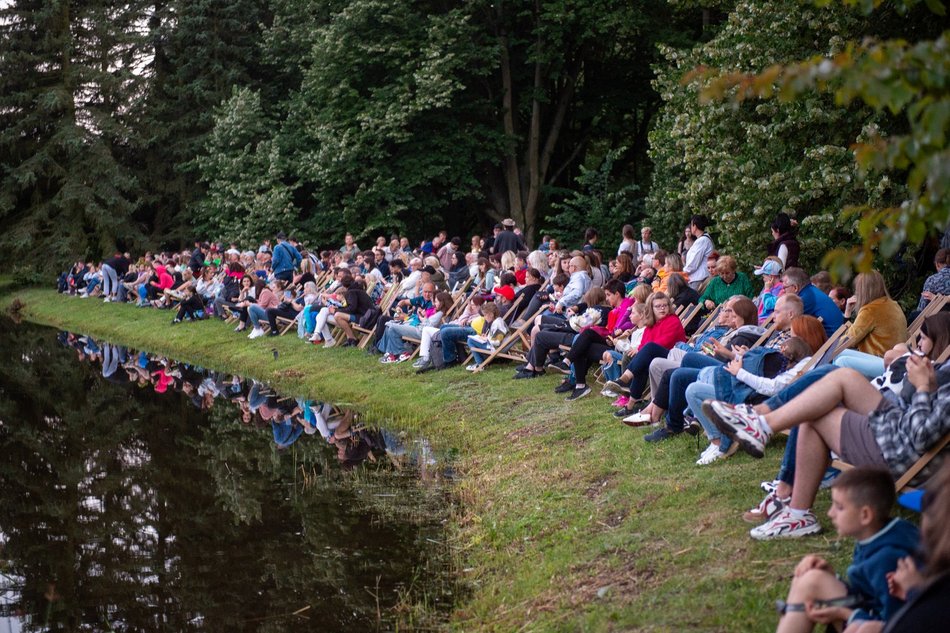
{"x": 569, "y": 521}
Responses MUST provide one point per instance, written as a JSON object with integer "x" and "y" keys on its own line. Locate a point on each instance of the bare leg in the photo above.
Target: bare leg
{"x": 343, "y": 322}
{"x": 813, "y": 585}
{"x": 811, "y": 456}
{"x": 842, "y": 387}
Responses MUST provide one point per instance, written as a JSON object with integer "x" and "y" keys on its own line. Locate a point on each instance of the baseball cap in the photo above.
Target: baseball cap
{"x": 770, "y": 267}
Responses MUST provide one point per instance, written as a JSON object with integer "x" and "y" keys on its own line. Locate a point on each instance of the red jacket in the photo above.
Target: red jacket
{"x": 666, "y": 332}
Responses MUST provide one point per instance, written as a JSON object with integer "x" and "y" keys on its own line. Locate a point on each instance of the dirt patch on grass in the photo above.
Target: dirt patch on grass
{"x": 527, "y": 431}
{"x": 617, "y": 581}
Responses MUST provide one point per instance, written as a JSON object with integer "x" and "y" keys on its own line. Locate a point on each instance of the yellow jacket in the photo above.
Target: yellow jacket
{"x": 878, "y": 327}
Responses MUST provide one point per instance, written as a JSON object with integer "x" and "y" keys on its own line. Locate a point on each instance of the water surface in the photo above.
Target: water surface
{"x": 142, "y": 494}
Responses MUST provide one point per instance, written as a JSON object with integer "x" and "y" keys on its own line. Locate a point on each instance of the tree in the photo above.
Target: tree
{"x": 743, "y": 163}
{"x": 903, "y": 78}
{"x": 567, "y": 75}
{"x": 67, "y": 89}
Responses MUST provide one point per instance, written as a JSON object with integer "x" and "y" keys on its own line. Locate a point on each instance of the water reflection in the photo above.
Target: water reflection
{"x": 177, "y": 498}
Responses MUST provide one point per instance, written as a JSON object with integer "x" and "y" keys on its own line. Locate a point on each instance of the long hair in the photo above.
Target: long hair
{"x": 810, "y": 330}
{"x": 868, "y": 287}
{"x": 937, "y": 329}
{"x": 651, "y": 319}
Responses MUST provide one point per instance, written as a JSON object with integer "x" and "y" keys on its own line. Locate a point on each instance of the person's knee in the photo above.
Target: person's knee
{"x": 813, "y": 584}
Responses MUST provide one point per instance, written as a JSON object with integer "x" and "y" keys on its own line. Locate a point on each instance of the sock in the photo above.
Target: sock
{"x": 579, "y": 385}
{"x": 796, "y": 513}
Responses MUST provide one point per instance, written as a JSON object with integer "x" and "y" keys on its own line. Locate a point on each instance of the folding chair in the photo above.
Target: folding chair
{"x": 707, "y": 322}
{"x": 932, "y": 308}
{"x": 284, "y": 324}
{"x": 514, "y": 337}
{"x": 823, "y": 355}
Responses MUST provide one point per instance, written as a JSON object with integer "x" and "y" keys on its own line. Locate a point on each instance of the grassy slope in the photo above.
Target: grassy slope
{"x": 569, "y": 520}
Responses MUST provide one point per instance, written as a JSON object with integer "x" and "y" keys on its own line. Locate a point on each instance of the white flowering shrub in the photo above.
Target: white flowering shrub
{"x": 742, "y": 163}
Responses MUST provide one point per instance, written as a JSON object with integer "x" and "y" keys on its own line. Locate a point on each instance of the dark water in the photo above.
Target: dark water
{"x": 161, "y": 497}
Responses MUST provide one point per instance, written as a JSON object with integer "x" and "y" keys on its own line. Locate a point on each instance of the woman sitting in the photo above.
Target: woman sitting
{"x": 879, "y": 325}
{"x": 663, "y": 330}
{"x": 356, "y": 303}
{"x": 555, "y": 333}
{"x": 672, "y": 267}
{"x": 267, "y": 298}
{"x": 394, "y": 349}
{"x": 594, "y": 341}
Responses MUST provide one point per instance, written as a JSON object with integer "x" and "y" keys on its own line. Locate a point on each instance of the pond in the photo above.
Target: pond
{"x": 139, "y": 493}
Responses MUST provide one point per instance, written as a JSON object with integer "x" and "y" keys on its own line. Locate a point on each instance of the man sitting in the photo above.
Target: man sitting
{"x": 844, "y": 413}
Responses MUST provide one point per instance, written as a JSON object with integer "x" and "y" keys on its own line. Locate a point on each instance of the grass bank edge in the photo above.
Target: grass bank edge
{"x": 568, "y": 522}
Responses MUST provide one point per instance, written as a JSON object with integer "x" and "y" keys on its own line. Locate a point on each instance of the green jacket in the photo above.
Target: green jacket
{"x": 718, "y": 291}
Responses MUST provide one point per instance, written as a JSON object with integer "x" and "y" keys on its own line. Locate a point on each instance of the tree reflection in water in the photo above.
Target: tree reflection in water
{"x": 178, "y": 498}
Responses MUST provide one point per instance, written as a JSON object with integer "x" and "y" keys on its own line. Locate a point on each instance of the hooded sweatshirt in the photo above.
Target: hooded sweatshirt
{"x": 874, "y": 557}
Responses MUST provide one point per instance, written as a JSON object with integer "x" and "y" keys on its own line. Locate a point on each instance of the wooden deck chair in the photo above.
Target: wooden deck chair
{"x": 769, "y": 330}
{"x": 707, "y": 322}
{"x": 508, "y": 347}
{"x": 689, "y": 315}
{"x": 822, "y": 355}
{"x": 932, "y": 308}
{"x": 363, "y": 335}
{"x": 284, "y": 324}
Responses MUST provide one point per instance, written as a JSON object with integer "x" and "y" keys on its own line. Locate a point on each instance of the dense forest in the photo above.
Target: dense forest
{"x": 146, "y": 124}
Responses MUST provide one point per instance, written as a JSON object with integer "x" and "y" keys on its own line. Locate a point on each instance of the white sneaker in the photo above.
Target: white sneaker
{"x": 607, "y": 393}
{"x": 785, "y": 525}
{"x": 710, "y": 455}
{"x": 472, "y": 367}
{"x": 330, "y": 342}
{"x": 107, "y": 300}
{"x": 256, "y": 332}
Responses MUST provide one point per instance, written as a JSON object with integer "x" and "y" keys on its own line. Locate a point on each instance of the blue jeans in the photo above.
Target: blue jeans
{"x": 392, "y": 342}
{"x": 474, "y": 345}
{"x": 695, "y": 394}
{"x": 255, "y": 313}
{"x": 868, "y": 365}
{"x": 451, "y": 335}
{"x": 786, "y": 471}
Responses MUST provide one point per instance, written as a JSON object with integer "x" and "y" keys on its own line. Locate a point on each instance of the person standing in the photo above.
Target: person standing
{"x": 285, "y": 259}
{"x": 695, "y": 265}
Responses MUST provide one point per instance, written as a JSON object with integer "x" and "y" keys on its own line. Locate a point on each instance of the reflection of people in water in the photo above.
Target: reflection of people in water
{"x": 259, "y": 405}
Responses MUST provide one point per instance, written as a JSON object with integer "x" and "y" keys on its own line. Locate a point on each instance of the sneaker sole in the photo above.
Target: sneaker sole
{"x": 583, "y": 395}
{"x": 748, "y": 445}
{"x": 811, "y": 529}
{"x": 613, "y": 386}
{"x": 560, "y": 370}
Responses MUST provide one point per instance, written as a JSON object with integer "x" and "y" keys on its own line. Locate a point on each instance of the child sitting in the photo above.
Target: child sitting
{"x": 861, "y": 501}
{"x": 490, "y": 329}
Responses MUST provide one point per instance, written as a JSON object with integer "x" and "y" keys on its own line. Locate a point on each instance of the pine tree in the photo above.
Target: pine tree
{"x": 67, "y": 82}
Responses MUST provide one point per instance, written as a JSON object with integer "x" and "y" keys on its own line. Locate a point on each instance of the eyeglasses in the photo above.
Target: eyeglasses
{"x": 664, "y": 306}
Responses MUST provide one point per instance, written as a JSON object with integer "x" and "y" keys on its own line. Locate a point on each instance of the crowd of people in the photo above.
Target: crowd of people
{"x": 682, "y": 339}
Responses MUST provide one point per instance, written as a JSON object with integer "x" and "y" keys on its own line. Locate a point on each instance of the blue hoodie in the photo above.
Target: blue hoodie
{"x": 874, "y": 557}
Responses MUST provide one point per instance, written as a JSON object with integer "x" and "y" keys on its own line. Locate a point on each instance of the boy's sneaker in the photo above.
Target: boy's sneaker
{"x": 565, "y": 387}
{"x": 767, "y": 508}
{"x": 403, "y": 357}
{"x": 618, "y": 386}
{"x": 255, "y": 333}
{"x": 578, "y": 393}
{"x": 388, "y": 359}
{"x": 422, "y": 361}
{"x": 786, "y": 525}
{"x": 741, "y": 423}
{"x": 560, "y": 366}
{"x": 472, "y": 367}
